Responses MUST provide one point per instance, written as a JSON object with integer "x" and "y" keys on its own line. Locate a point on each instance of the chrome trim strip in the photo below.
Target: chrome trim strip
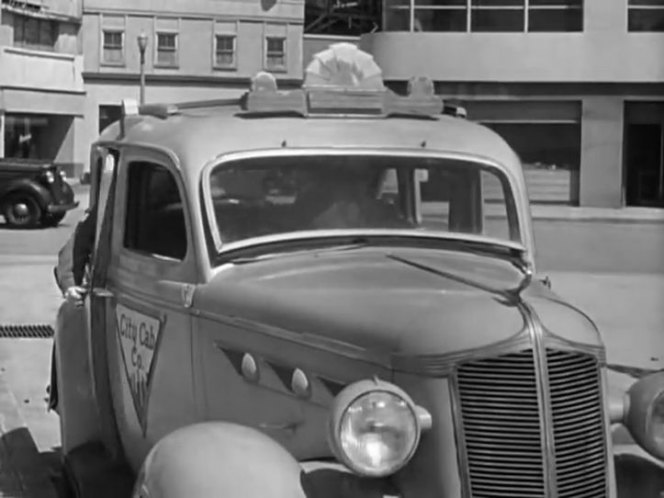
{"x": 443, "y": 365}
{"x": 546, "y": 416}
{"x": 344, "y": 349}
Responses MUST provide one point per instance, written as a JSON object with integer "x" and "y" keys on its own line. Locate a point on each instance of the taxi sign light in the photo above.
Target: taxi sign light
{"x": 341, "y": 80}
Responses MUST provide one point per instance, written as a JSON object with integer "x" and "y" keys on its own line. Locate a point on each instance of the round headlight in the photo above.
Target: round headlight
{"x": 375, "y": 428}
{"x": 50, "y": 178}
{"x": 645, "y": 415}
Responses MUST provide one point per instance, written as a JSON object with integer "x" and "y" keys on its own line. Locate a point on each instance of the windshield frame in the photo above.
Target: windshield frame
{"x": 219, "y": 247}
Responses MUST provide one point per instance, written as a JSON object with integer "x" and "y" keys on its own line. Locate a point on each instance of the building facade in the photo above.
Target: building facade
{"x": 575, "y": 86}
{"x": 42, "y": 96}
{"x": 198, "y": 49}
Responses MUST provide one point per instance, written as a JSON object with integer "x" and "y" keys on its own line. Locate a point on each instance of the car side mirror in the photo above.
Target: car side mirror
{"x": 546, "y": 281}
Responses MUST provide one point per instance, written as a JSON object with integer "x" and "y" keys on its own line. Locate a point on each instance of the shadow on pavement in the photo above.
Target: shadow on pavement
{"x": 27, "y": 473}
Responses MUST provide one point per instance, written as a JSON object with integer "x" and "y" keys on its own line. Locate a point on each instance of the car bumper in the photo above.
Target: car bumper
{"x": 61, "y": 208}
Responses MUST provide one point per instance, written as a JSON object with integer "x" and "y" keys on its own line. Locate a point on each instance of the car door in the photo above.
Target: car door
{"x": 151, "y": 273}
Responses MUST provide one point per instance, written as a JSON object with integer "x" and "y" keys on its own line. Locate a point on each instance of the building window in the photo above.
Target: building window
{"x": 491, "y": 16}
{"x": 555, "y": 15}
{"x": 224, "y": 52}
{"x": 167, "y": 50}
{"x": 276, "y": 53}
{"x": 113, "y": 47}
{"x": 36, "y": 34}
{"x": 646, "y": 15}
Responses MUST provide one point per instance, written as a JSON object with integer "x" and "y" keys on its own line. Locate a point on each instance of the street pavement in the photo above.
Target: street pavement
{"x": 611, "y": 268}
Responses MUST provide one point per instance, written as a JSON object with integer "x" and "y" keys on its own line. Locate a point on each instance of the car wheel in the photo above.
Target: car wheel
{"x": 21, "y": 211}
{"x": 52, "y": 219}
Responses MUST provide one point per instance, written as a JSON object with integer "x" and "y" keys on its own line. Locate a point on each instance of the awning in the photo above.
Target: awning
{"x": 28, "y": 9}
{"x": 17, "y": 100}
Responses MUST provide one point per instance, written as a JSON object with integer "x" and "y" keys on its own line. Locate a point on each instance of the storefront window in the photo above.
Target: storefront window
{"x": 551, "y": 146}
{"x": 555, "y": 15}
{"x": 441, "y": 15}
{"x": 108, "y": 114}
{"x": 497, "y": 15}
{"x": 397, "y": 15}
{"x": 26, "y": 136}
{"x": 646, "y": 15}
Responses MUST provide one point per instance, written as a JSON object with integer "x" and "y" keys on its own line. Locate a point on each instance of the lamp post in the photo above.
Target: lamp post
{"x": 142, "y": 40}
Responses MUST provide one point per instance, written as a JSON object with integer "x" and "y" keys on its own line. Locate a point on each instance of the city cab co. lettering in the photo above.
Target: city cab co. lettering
{"x": 143, "y": 336}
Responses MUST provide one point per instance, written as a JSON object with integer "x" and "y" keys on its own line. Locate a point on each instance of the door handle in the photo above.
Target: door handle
{"x": 103, "y": 293}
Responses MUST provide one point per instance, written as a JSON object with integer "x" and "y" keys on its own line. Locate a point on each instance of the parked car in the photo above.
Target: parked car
{"x": 33, "y": 193}
{"x": 276, "y": 311}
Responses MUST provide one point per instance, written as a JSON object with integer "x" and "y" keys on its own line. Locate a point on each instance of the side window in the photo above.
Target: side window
{"x": 155, "y": 221}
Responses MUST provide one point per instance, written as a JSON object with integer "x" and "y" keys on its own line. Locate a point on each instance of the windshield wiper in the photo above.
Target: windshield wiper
{"x": 511, "y": 294}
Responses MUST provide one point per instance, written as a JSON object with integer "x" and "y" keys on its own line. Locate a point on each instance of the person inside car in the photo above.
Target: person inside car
{"x": 344, "y": 198}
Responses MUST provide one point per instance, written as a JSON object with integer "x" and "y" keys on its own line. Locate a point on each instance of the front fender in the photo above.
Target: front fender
{"x": 219, "y": 459}
{"x": 223, "y": 459}
{"x": 39, "y": 192}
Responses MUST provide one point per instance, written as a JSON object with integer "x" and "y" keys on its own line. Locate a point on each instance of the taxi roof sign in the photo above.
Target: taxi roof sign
{"x": 341, "y": 81}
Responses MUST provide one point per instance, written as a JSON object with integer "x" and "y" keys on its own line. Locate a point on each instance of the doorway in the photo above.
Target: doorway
{"x": 644, "y": 154}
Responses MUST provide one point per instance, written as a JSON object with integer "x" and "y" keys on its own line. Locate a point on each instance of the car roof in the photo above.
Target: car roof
{"x": 343, "y": 103}
{"x": 200, "y": 136}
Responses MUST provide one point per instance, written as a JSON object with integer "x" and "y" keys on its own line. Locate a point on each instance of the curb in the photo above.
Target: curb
{"x": 23, "y": 472}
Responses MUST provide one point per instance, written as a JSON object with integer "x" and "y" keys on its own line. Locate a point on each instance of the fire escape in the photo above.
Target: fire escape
{"x": 342, "y": 17}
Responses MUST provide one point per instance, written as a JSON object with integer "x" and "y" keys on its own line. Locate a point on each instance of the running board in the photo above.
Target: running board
{"x": 92, "y": 473}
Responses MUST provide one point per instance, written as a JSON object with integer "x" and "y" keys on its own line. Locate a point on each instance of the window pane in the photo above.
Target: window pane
{"x": 440, "y": 3}
{"x": 646, "y": 20}
{"x": 289, "y": 194}
{"x": 276, "y": 61}
{"x": 275, "y": 45}
{"x": 166, "y": 58}
{"x": 47, "y": 35}
{"x": 551, "y": 20}
{"x": 32, "y": 32}
{"x": 397, "y": 20}
{"x": 556, "y": 3}
{"x": 225, "y": 43}
{"x": 488, "y": 20}
{"x": 155, "y": 222}
{"x": 498, "y": 3}
{"x": 166, "y": 41}
{"x": 659, "y": 3}
{"x": 441, "y": 20}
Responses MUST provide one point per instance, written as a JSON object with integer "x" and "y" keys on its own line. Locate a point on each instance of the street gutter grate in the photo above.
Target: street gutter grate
{"x": 26, "y": 332}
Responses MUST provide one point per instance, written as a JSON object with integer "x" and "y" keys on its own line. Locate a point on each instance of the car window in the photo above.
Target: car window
{"x": 271, "y": 195}
{"x": 155, "y": 221}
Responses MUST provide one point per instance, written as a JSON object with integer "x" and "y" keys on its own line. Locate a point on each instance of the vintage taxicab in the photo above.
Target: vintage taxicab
{"x": 329, "y": 291}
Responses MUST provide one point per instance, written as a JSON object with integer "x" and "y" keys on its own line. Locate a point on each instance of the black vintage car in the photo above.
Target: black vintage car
{"x": 33, "y": 193}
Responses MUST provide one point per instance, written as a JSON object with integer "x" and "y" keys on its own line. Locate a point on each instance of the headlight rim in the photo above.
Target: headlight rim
{"x": 350, "y": 395}
{"x": 643, "y": 396}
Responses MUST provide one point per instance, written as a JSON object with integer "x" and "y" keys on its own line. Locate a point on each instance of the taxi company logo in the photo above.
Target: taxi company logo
{"x": 139, "y": 337}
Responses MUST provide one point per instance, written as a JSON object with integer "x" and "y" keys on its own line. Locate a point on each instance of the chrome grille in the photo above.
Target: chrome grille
{"x": 578, "y": 426}
{"x": 503, "y": 432}
{"x": 501, "y": 424}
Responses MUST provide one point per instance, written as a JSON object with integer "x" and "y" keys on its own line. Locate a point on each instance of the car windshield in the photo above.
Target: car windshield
{"x": 282, "y": 194}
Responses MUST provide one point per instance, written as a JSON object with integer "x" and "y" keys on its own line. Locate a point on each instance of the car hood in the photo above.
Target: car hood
{"x": 386, "y": 301}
